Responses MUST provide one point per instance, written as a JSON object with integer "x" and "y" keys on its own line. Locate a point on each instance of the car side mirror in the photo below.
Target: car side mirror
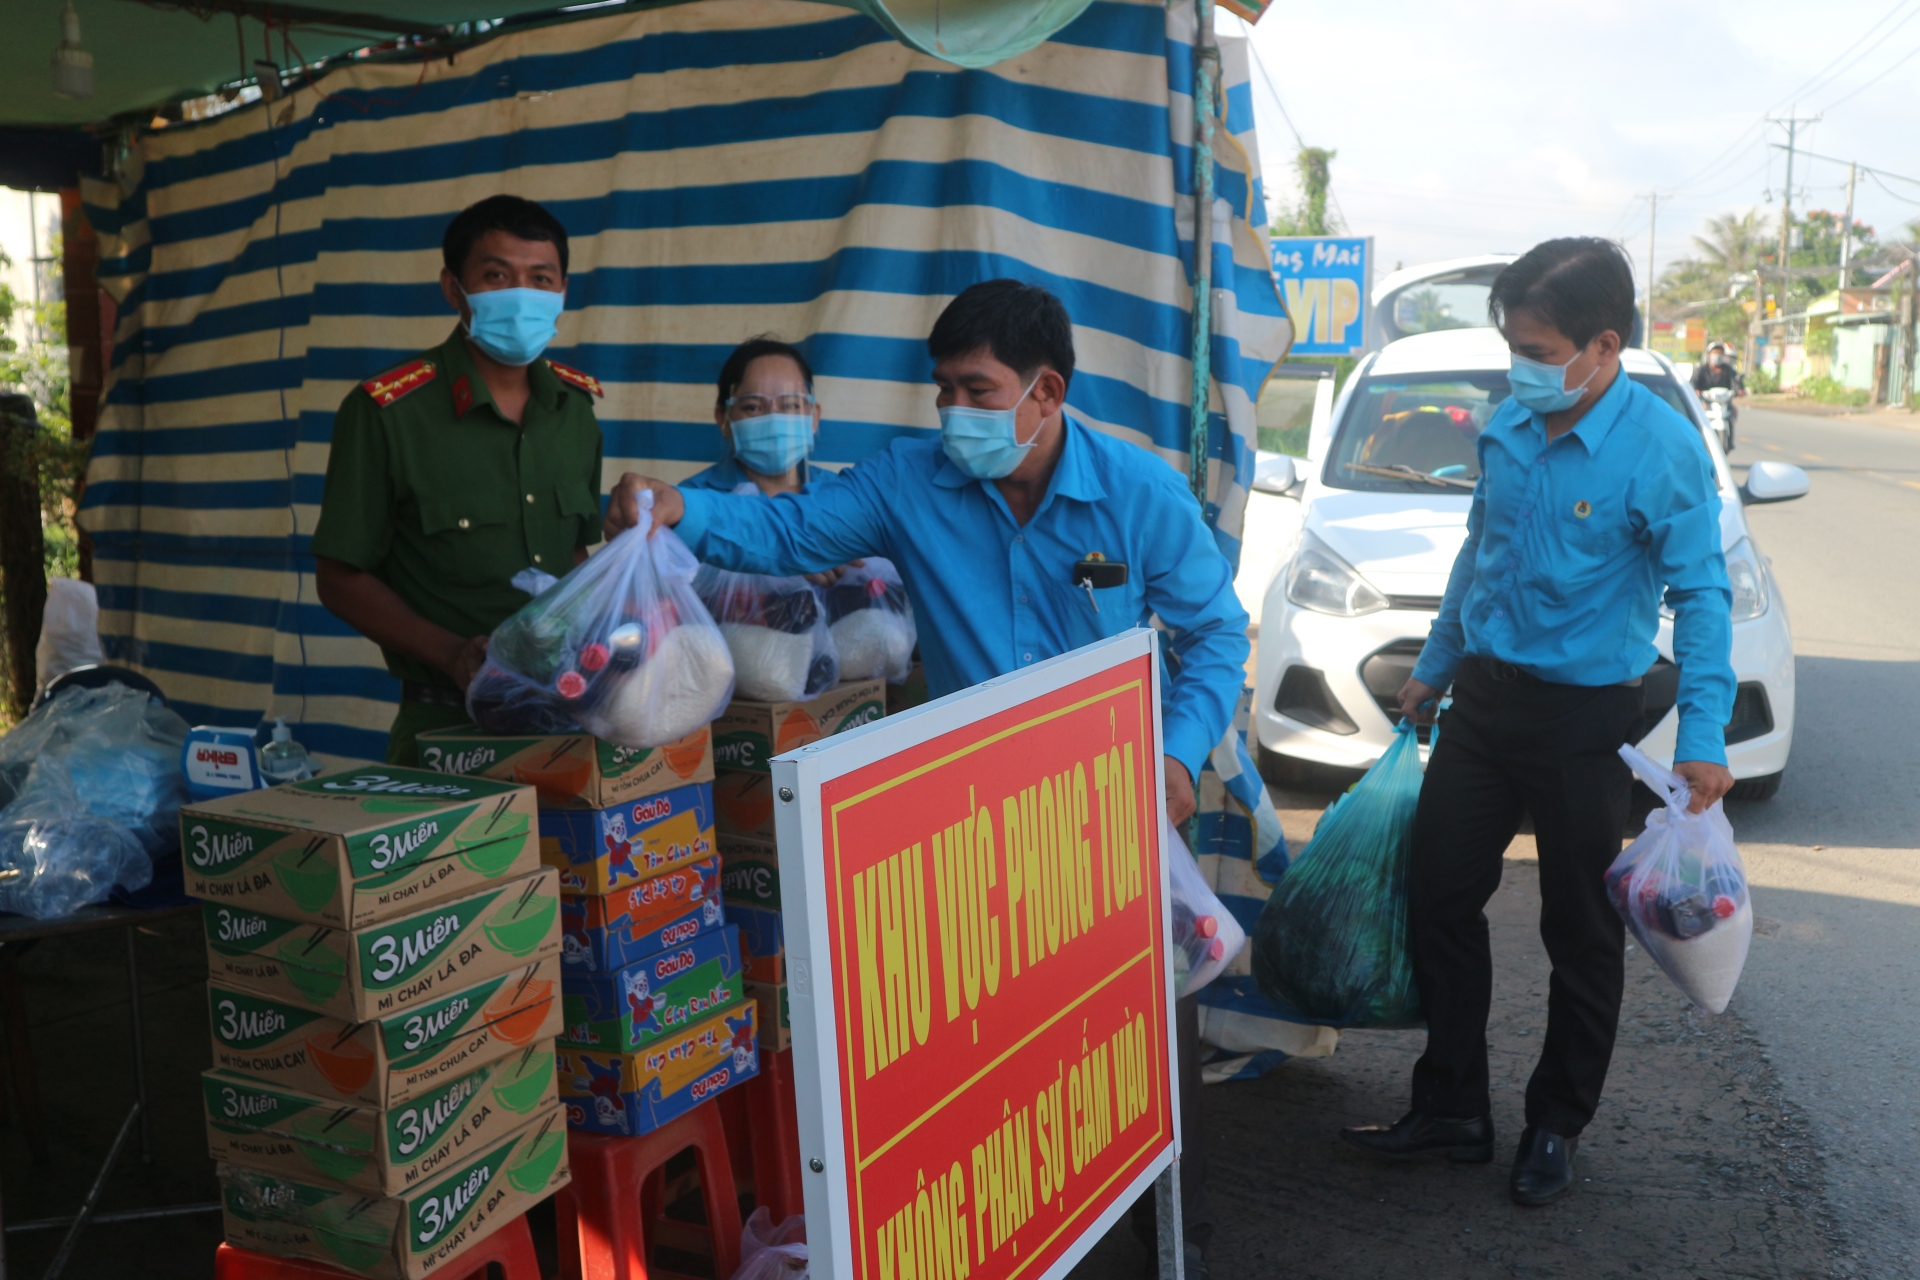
{"x": 1770, "y": 481}
{"x": 1274, "y": 473}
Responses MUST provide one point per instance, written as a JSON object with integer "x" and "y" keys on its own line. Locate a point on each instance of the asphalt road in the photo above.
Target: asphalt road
{"x": 1835, "y": 857}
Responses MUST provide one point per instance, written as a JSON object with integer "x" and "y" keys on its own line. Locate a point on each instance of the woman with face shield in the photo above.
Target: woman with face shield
{"x": 792, "y": 639}
{"x": 767, "y": 415}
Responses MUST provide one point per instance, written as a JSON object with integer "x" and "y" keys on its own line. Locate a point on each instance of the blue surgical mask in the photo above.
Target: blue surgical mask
{"x": 514, "y": 325}
{"x": 773, "y": 442}
{"x": 1543, "y": 387}
{"x": 983, "y": 442}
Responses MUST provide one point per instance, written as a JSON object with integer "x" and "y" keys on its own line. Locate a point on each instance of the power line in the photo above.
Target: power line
{"x": 1875, "y": 175}
{"x": 1865, "y": 168}
{"x": 1876, "y": 80}
{"x": 1821, "y": 76}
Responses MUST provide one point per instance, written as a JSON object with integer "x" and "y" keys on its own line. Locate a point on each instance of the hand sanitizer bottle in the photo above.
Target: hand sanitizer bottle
{"x": 283, "y": 759}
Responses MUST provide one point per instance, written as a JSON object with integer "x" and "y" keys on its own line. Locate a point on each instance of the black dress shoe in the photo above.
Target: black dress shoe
{"x": 1468, "y": 1141}
{"x": 1543, "y": 1168}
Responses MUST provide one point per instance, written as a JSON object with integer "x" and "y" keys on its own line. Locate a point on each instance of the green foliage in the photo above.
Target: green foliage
{"x": 1827, "y": 390}
{"x": 1762, "y": 381}
{"x": 1822, "y": 340}
{"x": 1309, "y": 217}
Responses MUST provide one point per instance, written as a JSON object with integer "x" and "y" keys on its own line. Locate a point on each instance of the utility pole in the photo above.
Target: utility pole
{"x": 1846, "y": 228}
{"x": 1653, "y": 212}
{"x": 1793, "y": 124}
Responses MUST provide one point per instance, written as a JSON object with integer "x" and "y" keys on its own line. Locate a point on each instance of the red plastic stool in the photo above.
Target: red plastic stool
{"x": 507, "y": 1254}
{"x": 607, "y": 1216}
{"x": 774, "y": 1116}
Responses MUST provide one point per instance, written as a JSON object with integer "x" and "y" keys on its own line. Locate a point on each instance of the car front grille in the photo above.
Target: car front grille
{"x": 1417, "y": 604}
{"x": 1386, "y": 669}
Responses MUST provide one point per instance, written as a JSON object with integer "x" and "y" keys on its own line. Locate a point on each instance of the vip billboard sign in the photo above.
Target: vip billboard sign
{"x": 1326, "y": 283}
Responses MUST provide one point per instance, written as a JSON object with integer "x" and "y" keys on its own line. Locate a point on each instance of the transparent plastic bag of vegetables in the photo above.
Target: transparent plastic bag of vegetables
{"x": 1206, "y": 937}
{"x": 872, "y": 623}
{"x": 1331, "y": 943}
{"x": 1682, "y": 888}
{"x": 621, "y": 647}
{"x": 777, "y": 631}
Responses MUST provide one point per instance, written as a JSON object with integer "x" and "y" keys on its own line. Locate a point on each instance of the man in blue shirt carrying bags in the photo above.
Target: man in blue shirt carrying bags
{"x": 1593, "y": 498}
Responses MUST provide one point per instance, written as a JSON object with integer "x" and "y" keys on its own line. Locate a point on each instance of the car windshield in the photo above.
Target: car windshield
{"x": 1418, "y": 432}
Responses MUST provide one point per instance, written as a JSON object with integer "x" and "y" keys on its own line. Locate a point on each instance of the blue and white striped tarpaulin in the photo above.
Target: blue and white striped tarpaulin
{"x": 725, "y": 168}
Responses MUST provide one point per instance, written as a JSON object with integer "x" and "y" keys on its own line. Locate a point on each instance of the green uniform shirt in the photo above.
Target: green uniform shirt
{"x": 443, "y": 499}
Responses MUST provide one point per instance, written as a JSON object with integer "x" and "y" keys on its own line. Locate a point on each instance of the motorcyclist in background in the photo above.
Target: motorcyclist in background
{"x": 1718, "y": 370}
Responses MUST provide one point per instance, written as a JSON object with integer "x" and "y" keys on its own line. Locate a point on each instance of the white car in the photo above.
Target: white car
{"x": 1345, "y": 614}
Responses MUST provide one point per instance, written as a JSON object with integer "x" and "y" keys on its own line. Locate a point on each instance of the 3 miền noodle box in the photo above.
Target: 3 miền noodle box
{"x": 603, "y": 850}
{"x": 749, "y": 872}
{"x": 393, "y": 1059}
{"x": 391, "y": 964}
{"x": 570, "y": 770}
{"x": 381, "y": 1152}
{"x": 410, "y": 1236}
{"x": 749, "y": 734}
{"x": 352, "y": 848}
{"x": 634, "y": 1093}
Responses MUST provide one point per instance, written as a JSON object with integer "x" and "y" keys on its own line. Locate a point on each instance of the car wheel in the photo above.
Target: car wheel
{"x": 1761, "y": 788}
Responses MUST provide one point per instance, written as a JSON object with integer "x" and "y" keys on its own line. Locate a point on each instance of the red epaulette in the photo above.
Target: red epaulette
{"x": 394, "y": 383}
{"x": 586, "y": 382}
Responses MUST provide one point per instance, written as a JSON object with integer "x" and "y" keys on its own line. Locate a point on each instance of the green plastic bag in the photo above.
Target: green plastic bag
{"x": 1331, "y": 943}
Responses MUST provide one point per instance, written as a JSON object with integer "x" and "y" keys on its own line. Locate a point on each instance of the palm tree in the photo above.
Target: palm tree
{"x": 1735, "y": 242}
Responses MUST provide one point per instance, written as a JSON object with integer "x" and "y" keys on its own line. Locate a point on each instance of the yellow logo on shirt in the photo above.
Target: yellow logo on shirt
{"x": 1582, "y": 509}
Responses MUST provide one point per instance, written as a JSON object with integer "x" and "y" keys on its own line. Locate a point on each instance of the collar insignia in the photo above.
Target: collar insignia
{"x": 586, "y": 382}
{"x": 395, "y": 383}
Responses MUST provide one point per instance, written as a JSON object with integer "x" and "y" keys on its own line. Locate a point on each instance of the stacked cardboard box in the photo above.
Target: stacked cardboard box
{"x": 651, "y": 970}
{"x": 384, "y": 952}
{"x": 746, "y": 738}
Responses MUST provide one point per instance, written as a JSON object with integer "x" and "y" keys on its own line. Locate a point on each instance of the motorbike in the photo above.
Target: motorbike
{"x": 1720, "y": 414}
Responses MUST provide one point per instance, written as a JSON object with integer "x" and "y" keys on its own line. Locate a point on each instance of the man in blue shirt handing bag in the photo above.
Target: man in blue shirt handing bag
{"x": 1593, "y": 498}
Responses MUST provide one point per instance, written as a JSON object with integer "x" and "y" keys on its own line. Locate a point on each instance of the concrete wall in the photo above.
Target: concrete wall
{"x": 1856, "y": 353}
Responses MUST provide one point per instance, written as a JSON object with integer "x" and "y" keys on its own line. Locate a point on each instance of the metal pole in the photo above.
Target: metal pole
{"x": 1653, "y": 212}
{"x": 1172, "y": 1232}
{"x": 1846, "y": 229}
{"x": 92, "y": 1201}
{"x": 1206, "y": 81}
{"x": 1786, "y": 194}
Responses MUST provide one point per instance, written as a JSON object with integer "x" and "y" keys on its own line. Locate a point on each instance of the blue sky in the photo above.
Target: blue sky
{"x": 1484, "y": 127}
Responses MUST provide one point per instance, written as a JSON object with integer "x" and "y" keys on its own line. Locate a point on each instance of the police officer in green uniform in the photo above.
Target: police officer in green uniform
{"x": 455, "y": 471}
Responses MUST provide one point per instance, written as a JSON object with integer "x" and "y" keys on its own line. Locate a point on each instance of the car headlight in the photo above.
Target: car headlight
{"x": 1320, "y": 580}
{"x": 1747, "y": 577}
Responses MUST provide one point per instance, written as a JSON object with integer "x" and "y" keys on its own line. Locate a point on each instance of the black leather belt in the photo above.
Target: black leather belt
{"x": 432, "y": 695}
{"x": 1507, "y": 673}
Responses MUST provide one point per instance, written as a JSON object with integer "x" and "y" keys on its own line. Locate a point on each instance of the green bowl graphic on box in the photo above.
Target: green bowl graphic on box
{"x": 350, "y": 849}
{"x": 522, "y": 1083}
{"x": 391, "y": 964}
{"x": 522, "y": 924}
{"x": 533, "y": 1169}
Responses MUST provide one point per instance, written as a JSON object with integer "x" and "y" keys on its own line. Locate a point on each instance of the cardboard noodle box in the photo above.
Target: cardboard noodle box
{"x": 351, "y": 848}
{"x": 419, "y": 1233}
{"x": 776, "y": 1022}
{"x": 763, "y": 943}
{"x": 749, "y": 872}
{"x": 394, "y": 964}
{"x": 570, "y": 770}
{"x": 743, "y": 804}
{"x": 392, "y": 1060}
{"x": 603, "y": 850}
{"x": 653, "y": 998}
{"x": 635, "y": 1093}
{"x": 607, "y": 931}
{"x": 749, "y": 734}
{"x": 381, "y": 1152}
